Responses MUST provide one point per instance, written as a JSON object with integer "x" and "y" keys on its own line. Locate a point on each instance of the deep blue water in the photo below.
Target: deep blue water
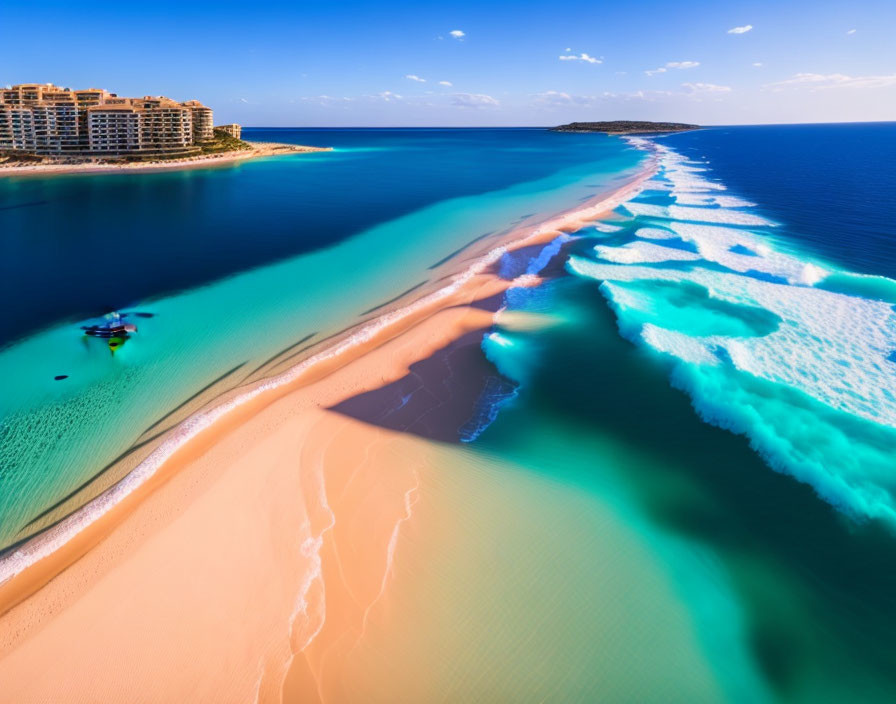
{"x": 831, "y": 186}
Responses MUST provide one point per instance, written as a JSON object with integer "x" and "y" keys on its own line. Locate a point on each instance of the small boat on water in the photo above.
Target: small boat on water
{"x": 108, "y": 330}
{"x": 114, "y": 329}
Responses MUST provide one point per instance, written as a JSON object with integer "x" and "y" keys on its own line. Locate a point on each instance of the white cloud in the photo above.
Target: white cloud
{"x": 445, "y": 83}
{"x": 326, "y": 100}
{"x": 581, "y": 57}
{"x": 757, "y": 64}
{"x": 694, "y": 88}
{"x": 851, "y": 31}
{"x": 457, "y": 34}
{"x": 673, "y": 64}
{"x": 554, "y": 98}
{"x": 387, "y": 96}
{"x": 473, "y": 100}
{"x": 243, "y": 100}
{"x": 412, "y": 77}
{"x": 740, "y": 30}
{"x": 821, "y": 81}
{"x": 567, "y": 50}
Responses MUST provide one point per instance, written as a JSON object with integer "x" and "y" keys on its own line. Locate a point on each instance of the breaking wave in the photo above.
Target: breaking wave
{"x": 798, "y": 357}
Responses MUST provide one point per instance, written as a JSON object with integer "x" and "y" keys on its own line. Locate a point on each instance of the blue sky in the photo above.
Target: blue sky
{"x": 472, "y": 63}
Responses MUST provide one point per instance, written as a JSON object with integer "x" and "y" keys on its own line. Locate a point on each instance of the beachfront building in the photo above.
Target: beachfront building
{"x": 46, "y": 120}
{"x": 203, "y": 124}
{"x": 232, "y": 130}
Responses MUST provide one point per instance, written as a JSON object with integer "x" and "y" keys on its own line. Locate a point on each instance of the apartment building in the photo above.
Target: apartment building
{"x": 233, "y": 130}
{"x": 46, "y": 120}
{"x": 203, "y": 121}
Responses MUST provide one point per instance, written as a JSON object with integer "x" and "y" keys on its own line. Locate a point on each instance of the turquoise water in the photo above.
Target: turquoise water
{"x": 787, "y": 600}
{"x": 366, "y": 222}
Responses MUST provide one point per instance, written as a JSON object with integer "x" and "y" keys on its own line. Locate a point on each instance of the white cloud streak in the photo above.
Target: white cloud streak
{"x": 457, "y": 34}
{"x": 580, "y": 57}
{"x": 445, "y": 83}
{"x": 554, "y": 99}
{"x": 851, "y": 31}
{"x": 704, "y": 88}
{"x": 473, "y": 100}
{"x": 821, "y": 81}
{"x": 386, "y": 96}
{"x": 413, "y": 77}
{"x": 740, "y": 30}
{"x": 673, "y": 64}
{"x": 326, "y": 100}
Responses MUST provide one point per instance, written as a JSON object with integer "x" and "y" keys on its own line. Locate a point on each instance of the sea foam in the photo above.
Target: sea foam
{"x": 767, "y": 343}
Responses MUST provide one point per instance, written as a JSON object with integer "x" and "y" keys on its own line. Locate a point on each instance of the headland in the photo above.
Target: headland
{"x": 626, "y": 127}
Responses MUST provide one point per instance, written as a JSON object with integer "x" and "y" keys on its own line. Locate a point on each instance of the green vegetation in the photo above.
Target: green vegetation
{"x": 223, "y": 142}
{"x": 17, "y": 156}
{"x": 625, "y": 127}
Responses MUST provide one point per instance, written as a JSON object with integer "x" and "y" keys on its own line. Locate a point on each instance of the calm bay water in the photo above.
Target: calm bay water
{"x": 79, "y": 246}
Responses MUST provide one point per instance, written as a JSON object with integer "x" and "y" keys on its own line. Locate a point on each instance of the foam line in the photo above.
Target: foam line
{"x": 641, "y": 252}
{"x": 768, "y": 344}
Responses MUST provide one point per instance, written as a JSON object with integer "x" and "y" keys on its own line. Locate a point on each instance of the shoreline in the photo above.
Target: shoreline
{"x": 289, "y": 477}
{"x": 27, "y": 567}
{"x": 259, "y": 150}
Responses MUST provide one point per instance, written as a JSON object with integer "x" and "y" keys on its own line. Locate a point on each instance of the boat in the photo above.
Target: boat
{"x": 109, "y": 330}
{"x": 114, "y": 329}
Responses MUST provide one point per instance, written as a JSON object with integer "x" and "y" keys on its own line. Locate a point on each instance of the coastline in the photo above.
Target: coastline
{"x": 42, "y": 577}
{"x": 259, "y": 150}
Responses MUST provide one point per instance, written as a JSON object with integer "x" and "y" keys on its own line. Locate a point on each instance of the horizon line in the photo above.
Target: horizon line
{"x": 540, "y": 127}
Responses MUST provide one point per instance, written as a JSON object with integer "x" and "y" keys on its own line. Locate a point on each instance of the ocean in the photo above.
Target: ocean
{"x": 677, "y": 484}
{"x": 721, "y": 370}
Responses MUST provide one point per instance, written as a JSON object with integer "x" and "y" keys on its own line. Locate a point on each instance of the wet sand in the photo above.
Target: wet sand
{"x": 247, "y": 552}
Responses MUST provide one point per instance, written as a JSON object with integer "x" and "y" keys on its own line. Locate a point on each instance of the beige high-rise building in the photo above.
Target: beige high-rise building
{"x": 203, "y": 121}
{"x": 46, "y": 120}
{"x": 233, "y": 130}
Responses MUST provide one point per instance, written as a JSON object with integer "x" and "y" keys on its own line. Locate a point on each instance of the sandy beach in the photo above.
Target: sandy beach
{"x": 243, "y": 557}
{"x": 258, "y": 150}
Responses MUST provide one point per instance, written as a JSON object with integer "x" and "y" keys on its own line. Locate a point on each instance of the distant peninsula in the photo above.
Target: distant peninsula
{"x": 625, "y": 127}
